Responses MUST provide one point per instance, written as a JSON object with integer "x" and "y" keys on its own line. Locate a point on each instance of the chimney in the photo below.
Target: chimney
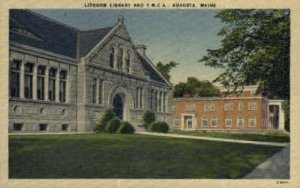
{"x": 141, "y": 49}
{"x": 121, "y": 19}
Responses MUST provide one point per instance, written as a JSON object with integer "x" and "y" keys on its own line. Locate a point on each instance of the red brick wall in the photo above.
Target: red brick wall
{"x": 260, "y": 112}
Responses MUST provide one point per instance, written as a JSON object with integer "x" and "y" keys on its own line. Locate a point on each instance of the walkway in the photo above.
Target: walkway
{"x": 215, "y": 139}
{"x": 275, "y": 167}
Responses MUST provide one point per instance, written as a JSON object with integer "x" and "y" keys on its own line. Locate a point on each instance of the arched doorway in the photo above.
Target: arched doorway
{"x": 118, "y": 105}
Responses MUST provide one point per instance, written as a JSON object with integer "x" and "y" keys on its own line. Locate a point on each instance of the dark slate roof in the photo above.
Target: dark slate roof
{"x": 37, "y": 31}
{"x": 89, "y": 39}
{"x": 151, "y": 71}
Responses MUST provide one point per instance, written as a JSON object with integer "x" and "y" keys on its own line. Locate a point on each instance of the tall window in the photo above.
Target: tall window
{"x": 14, "y": 79}
{"x": 151, "y": 99}
{"x": 51, "y": 84}
{"x": 120, "y": 59}
{"x": 41, "y": 82}
{"x": 94, "y": 90}
{"x": 62, "y": 85}
{"x": 141, "y": 98}
{"x": 228, "y": 122}
{"x": 240, "y": 106}
{"x": 214, "y": 121}
{"x": 127, "y": 62}
{"x": 228, "y": 106}
{"x": 240, "y": 122}
{"x": 28, "y": 80}
{"x": 100, "y": 90}
{"x": 204, "y": 122}
{"x": 111, "y": 57}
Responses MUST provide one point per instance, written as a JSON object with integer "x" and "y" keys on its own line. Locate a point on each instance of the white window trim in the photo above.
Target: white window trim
{"x": 237, "y": 122}
{"x": 252, "y": 106}
{"x": 249, "y": 120}
{"x": 211, "y": 121}
{"x": 206, "y": 122}
{"x": 226, "y": 121}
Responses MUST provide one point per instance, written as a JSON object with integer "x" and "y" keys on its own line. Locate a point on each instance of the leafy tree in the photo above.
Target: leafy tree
{"x": 194, "y": 86}
{"x": 255, "y": 49}
{"x": 165, "y": 69}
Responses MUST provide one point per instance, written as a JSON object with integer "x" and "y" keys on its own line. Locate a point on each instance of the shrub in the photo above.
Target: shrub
{"x": 126, "y": 128}
{"x": 104, "y": 117}
{"x": 148, "y": 118}
{"x": 112, "y": 126}
{"x": 159, "y": 126}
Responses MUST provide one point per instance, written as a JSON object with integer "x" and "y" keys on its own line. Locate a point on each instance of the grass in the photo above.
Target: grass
{"x": 268, "y": 137}
{"x": 130, "y": 156}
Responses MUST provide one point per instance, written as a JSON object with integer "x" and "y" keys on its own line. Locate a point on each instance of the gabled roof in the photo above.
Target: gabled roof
{"x": 89, "y": 39}
{"x": 153, "y": 74}
{"x": 37, "y": 31}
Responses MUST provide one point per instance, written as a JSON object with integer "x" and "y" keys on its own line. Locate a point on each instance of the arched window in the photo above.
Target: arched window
{"x": 111, "y": 57}
{"x": 127, "y": 61}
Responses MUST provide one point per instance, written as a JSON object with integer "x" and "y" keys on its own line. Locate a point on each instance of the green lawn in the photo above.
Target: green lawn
{"x": 268, "y": 137}
{"x": 130, "y": 156}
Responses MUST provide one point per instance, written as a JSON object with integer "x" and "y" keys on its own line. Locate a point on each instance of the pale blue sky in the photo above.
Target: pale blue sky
{"x": 179, "y": 35}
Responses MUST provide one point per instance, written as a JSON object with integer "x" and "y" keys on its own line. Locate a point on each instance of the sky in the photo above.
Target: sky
{"x": 178, "y": 35}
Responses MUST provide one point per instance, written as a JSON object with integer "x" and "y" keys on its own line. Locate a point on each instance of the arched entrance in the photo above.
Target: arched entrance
{"x": 121, "y": 101}
{"x": 118, "y": 105}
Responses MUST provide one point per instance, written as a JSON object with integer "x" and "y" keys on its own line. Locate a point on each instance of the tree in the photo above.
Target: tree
{"x": 194, "y": 86}
{"x": 165, "y": 69}
{"x": 255, "y": 49}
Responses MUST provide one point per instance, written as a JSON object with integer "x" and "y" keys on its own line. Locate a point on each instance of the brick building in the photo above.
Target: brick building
{"x": 247, "y": 110}
{"x": 61, "y": 78}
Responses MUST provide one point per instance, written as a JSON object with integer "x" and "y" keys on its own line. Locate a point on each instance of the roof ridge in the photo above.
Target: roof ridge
{"x": 50, "y": 19}
{"x": 91, "y": 30}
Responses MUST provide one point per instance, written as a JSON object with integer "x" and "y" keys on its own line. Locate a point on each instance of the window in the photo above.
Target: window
{"x": 18, "y": 127}
{"x": 127, "y": 62}
{"x": 43, "y": 127}
{"x": 204, "y": 122}
{"x": 51, "y": 86}
{"x": 14, "y": 79}
{"x": 251, "y": 106}
{"x": 141, "y": 98}
{"x": 240, "y": 122}
{"x": 64, "y": 127}
{"x": 94, "y": 89}
{"x": 111, "y": 57}
{"x": 120, "y": 59}
{"x": 228, "y": 122}
{"x": 209, "y": 107}
{"x": 252, "y": 122}
{"x": 164, "y": 102}
{"x": 28, "y": 80}
{"x": 240, "y": 106}
{"x": 176, "y": 123}
{"x": 190, "y": 107}
{"x": 188, "y": 122}
{"x": 100, "y": 90}
{"x": 62, "y": 85}
{"x": 214, "y": 121}
{"x": 151, "y": 99}
{"x": 228, "y": 106}
{"x": 41, "y": 82}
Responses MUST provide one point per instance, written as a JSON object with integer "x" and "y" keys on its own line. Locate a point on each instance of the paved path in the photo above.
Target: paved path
{"x": 215, "y": 139}
{"x": 275, "y": 167}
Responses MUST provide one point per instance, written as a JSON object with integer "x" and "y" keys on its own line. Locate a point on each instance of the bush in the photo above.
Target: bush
{"x": 126, "y": 128}
{"x": 104, "y": 117}
{"x": 148, "y": 118}
{"x": 112, "y": 126}
{"x": 159, "y": 126}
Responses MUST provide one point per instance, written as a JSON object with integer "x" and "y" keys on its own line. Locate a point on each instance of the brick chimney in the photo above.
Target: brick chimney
{"x": 141, "y": 49}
